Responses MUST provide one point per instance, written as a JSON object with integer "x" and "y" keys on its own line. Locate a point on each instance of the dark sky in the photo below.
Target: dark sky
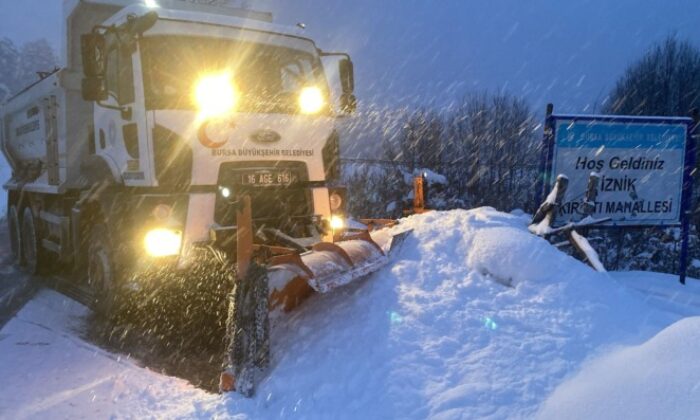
{"x": 431, "y": 52}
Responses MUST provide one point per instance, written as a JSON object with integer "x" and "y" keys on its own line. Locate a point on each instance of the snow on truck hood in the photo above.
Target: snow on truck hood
{"x": 476, "y": 318}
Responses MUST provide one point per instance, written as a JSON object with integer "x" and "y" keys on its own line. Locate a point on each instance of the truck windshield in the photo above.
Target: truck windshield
{"x": 268, "y": 78}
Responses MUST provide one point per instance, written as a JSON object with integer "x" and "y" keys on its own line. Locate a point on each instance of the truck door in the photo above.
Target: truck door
{"x": 120, "y": 120}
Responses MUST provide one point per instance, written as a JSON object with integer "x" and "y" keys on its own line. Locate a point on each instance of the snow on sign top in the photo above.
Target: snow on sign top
{"x": 640, "y": 162}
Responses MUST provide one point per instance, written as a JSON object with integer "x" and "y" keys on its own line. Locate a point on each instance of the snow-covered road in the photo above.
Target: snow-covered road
{"x": 477, "y": 318}
{"x": 48, "y": 371}
{"x": 16, "y": 288}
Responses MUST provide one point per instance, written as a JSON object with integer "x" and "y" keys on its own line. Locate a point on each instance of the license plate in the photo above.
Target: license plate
{"x": 268, "y": 178}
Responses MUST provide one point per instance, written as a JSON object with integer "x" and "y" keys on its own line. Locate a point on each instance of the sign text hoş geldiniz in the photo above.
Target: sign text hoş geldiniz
{"x": 640, "y": 165}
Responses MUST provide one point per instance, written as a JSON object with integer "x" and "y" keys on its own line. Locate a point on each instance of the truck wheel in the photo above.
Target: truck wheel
{"x": 31, "y": 248}
{"x": 14, "y": 231}
{"x": 102, "y": 275}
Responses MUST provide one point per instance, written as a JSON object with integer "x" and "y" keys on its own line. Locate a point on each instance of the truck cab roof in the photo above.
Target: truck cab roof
{"x": 80, "y": 16}
{"x": 71, "y": 6}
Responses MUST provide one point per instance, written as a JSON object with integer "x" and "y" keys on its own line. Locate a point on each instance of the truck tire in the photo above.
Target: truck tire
{"x": 32, "y": 252}
{"x": 14, "y": 234}
{"x": 102, "y": 272}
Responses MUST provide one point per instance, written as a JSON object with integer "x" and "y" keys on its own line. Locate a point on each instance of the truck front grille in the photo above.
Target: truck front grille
{"x": 285, "y": 207}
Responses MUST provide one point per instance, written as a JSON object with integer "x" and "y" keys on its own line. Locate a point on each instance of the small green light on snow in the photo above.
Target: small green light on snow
{"x": 490, "y": 323}
{"x": 395, "y": 317}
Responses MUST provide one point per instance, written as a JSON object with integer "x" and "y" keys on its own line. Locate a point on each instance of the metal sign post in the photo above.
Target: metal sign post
{"x": 544, "y": 180}
{"x": 688, "y": 170}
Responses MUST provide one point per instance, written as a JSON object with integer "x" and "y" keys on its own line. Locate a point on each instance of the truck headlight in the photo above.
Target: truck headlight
{"x": 163, "y": 242}
{"x": 311, "y": 100}
{"x": 215, "y": 95}
{"x": 337, "y": 223}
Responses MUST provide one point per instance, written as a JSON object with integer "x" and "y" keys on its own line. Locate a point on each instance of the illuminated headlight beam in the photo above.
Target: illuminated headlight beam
{"x": 215, "y": 95}
{"x": 311, "y": 100}
{"x": 337, "y": 223}
{"x": 162, "y": 242}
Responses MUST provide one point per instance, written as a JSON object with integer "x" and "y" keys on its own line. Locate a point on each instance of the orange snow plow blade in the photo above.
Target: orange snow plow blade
{"x": 272, "y": 278}
{"x": 327, "y": 266}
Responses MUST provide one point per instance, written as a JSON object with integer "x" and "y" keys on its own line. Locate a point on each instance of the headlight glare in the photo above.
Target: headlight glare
{"x": 337, "y": 223}
{"x": 162, "y": 242}
{"x": 215, "y": 95}
{"x": 311, "y": 100}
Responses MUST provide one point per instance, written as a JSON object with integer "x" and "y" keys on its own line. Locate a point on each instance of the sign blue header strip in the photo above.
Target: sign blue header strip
{"x": 621, "y": 134}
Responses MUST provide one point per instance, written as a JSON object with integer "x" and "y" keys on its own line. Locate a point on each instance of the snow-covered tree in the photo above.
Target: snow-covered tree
{"x": 421, "y": 140}
{"x": 665, "y": 81}
{"x": 35, "y": 57}
{"x": 486, "y": 147}
{"x": 19, "y": 67}
{"x": 9, "y": 65}
{"x": 489, "y": 152}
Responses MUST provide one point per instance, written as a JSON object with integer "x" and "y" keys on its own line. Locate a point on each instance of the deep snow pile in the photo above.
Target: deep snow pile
{"x": 654, "y": 380}
{"x": 659, "y": 379}
{"x": 477, "y": 318}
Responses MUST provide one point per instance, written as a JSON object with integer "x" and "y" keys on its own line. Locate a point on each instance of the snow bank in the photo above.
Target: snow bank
{"x": 476, "y": 318}
{"x": 656, "y": 380}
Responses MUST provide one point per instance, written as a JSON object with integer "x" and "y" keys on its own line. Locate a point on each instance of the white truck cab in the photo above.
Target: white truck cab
{"x": 164, "y": 114}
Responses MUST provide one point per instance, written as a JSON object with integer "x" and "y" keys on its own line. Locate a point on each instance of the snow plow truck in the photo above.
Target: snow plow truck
{"x": 173, "y": 128}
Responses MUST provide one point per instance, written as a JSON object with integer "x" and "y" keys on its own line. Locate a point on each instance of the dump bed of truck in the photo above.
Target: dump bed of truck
{"x": 35, "y": 137}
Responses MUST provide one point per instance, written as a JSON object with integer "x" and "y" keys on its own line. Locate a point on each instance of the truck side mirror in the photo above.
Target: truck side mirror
{"x": 93, "y": 53}
{"x": 138, "y": 25}
{"x": 348, "y": 101}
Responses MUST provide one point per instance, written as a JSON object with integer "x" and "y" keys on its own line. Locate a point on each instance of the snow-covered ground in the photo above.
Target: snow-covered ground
{"x": 477, "y": 318}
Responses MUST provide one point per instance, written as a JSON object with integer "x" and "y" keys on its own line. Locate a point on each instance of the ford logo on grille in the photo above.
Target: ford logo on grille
{"x": 265, "y": 136}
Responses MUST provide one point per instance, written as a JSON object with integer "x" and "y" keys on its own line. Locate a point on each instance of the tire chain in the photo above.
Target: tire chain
{"x": 248, "y": 329}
